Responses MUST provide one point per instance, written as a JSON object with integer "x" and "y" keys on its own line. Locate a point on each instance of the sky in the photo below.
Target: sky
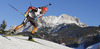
{"x": 88, "y": 11}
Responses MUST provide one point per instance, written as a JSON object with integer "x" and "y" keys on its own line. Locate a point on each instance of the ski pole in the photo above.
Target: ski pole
{"x": 47, "y": 5}
{"x": 15, "y": 9}
{"x": 30, "y": 4}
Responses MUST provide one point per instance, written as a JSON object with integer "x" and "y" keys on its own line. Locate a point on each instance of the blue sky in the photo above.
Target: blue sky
{"x": 88, "y": 11}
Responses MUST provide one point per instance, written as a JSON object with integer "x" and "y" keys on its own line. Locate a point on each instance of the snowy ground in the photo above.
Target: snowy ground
{"x": 20, "y": 42}
{"x": 16, "y": 42}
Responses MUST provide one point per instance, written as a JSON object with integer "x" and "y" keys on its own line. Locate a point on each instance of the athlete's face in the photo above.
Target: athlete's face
{"x": 43, "y": 11}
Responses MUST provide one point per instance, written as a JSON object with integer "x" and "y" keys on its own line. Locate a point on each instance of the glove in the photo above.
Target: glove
{"x": 25, "y": 15}
{"x": 37, "y": 21}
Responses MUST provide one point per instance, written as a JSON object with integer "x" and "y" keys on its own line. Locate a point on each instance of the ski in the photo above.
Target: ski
{"x": 10, "y": 35}
{"x": 30, "y": 41}
{"x": 33, "y": 41}
{"x": 6, "y": 37}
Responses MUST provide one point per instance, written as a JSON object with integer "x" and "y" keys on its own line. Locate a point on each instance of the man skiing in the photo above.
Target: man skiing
{"x": 30, "y": 16}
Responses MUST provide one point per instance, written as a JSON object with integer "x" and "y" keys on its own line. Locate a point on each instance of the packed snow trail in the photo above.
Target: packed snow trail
{"x": 16, "y": 42}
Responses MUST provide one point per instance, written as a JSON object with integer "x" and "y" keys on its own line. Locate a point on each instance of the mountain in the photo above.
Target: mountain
{"x": 73, "y": 35}
{"x": 11, "y": 27}
{"x": 52, "y": 21}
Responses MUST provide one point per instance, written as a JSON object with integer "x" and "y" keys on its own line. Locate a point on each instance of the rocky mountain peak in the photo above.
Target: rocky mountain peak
{"x": 52, "y": 21}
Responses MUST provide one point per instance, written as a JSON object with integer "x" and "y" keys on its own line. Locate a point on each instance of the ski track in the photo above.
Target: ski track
{"x": 16, "y": 42}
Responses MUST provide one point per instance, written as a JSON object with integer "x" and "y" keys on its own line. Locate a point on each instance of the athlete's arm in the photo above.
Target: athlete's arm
{"x": 40, "y": 17}
{"x": 30, "y": 9}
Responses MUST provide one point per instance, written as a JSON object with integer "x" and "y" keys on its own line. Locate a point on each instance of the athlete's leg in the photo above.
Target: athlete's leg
{"x": 19, "y": 26}
{"x": 34, "y": 23}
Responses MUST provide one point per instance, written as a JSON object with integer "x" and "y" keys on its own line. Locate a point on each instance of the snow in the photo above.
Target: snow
{"x": 16, "y": 42}
{"x": 20, "y": 42}
{"x": 52, "y": 21}
{"x": 95, "y": 46}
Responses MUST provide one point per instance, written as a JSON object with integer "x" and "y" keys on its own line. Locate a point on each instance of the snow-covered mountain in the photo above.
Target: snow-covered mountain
{"x": 12, "y": 27}
{"x": 52, "y": 21}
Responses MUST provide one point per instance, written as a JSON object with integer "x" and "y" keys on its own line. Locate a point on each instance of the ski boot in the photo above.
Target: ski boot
{"x": 11, "y": 33}
{"x": 31, "y": 37}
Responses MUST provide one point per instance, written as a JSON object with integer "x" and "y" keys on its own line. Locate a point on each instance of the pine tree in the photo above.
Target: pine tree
{"x": 2, "y": 27}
